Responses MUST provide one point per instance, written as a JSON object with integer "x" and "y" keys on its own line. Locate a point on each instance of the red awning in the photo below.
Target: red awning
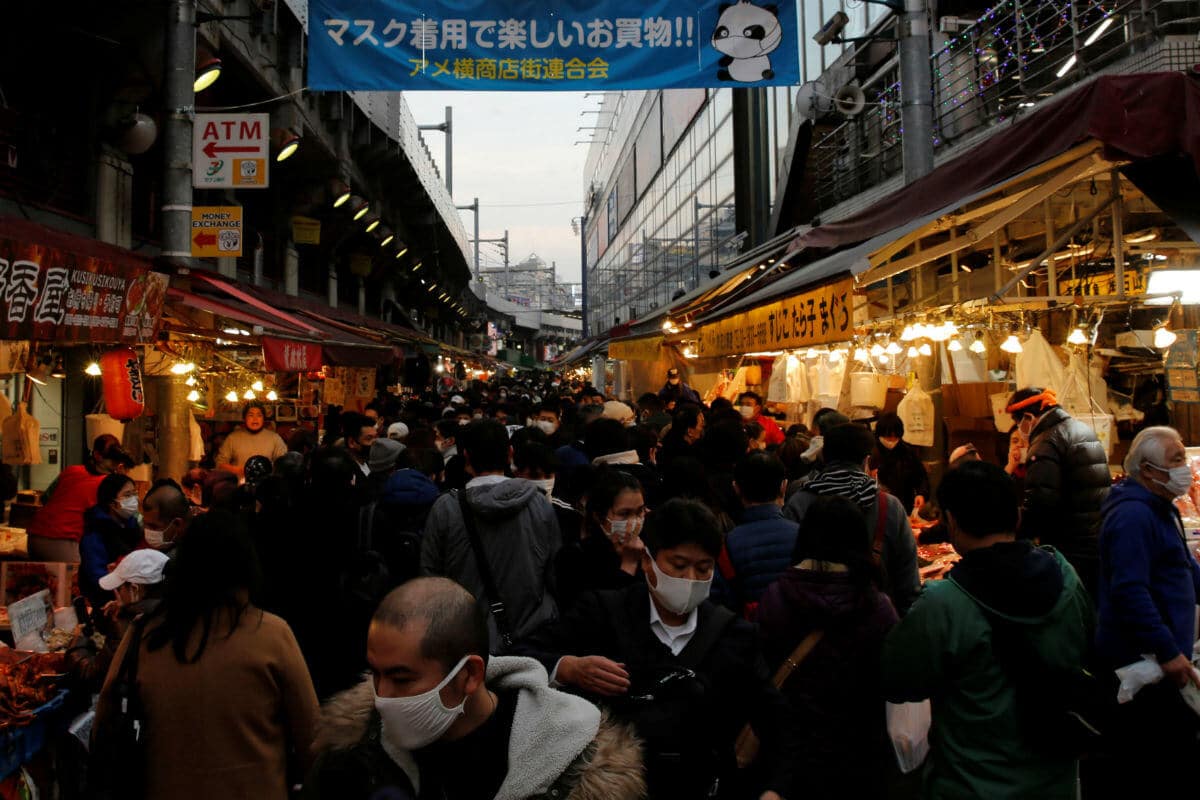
{"x": 228, "y": 310}
{"x": 245, "y": 297}
{"x": 1134, "y": 116}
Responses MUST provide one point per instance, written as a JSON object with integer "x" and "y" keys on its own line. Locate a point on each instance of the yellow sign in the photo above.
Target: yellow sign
{"x": 645, "y": 348}
{"x": 306, "y": 230}
{"x": 216, "y": 231}
{"x": 819, "y": 316}
{"x": 1103, "y": 285}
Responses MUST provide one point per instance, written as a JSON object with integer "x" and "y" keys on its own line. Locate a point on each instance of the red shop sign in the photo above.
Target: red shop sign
{"x": 55, "y": 287}
{"x": 288, "y": 355}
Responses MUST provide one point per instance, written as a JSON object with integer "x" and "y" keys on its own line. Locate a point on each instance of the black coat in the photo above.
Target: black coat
{"x": 731, "y": 686}
{"x": 1066, "y": 482}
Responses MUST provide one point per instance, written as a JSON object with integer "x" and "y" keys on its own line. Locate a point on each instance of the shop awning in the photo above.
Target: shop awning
{"x": 636, "y": 348}
{"x": 246, "y": 297}
{"x": 584, "y": 350}
{"x": 1133, "y": 117}
{"x": 229, "y": 310}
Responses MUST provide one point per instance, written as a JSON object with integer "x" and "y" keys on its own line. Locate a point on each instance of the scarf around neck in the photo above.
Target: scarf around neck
{"x": 845, "y": 482}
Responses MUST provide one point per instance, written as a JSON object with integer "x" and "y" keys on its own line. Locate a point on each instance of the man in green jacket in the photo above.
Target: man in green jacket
{"x": 1008, "y": 610}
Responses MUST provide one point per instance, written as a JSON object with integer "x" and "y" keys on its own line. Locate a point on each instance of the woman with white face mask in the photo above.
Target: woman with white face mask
{"x": 608, "y": 551}
{"x": 111, "y": 529}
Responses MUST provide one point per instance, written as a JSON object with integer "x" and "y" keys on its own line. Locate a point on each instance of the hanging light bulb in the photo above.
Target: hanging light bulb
{"x": 272, "y": 396}
{"x": 876, "y": 350}
{"x": 955, "y": 345}
{"x": 193, "y": 396}
{"x": 182, "y": 367}
{"x": 232, "y": 396}
{"x": 912, "y": 352}
{"x": 835, "y": 356}
{"x": 249, "y": 395}
{"x": 93, "y": 369}
{"x": 883, "y": 359}
{"x": 978, "y": 346}
{"x": 1077, "y": 336}
{"x": 925, "y": 349}
{"x": 893, "y": 349}
{"x": 257, "y": 386}
{"x": 1164, "y": 337}
{"x": 861, "y": 356}
{"x": 812, "y": 353}
{"x": 1012, "y": 344}
{"x": 908, "y": 334}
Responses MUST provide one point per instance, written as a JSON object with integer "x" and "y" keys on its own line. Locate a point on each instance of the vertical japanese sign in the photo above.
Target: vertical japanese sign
{"x": 51, "y": 293}
{"x": 571, "y": 45}
{"x": 820, "y": 316}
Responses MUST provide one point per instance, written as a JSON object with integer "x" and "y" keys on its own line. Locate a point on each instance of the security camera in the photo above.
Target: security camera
{"x": 832, "y": 29}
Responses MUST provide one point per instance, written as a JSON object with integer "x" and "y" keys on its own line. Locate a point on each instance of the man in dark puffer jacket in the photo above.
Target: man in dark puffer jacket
{"x": 1066, "y": 481}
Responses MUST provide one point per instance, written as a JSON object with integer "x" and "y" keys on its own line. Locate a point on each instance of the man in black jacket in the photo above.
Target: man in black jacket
{"x": 1066, "y": 481}
{"x": 686, "y": 673}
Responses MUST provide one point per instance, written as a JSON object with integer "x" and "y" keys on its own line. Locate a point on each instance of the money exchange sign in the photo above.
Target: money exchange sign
{"x": 820, "y": 316}
{"x": 569, "y": 45}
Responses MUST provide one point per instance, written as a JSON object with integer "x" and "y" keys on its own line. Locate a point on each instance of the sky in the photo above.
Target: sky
{"x": 515, "y": 151}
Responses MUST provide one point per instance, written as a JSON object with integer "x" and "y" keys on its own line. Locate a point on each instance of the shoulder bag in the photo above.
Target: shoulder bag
{"x": 746, "y": 747}
{"x": 495, "y": 604}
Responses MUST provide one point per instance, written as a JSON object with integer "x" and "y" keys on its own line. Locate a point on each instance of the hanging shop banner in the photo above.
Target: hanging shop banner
{"x": 1103, "y": 285}
{"x": 647, "y": 348}
{"x": 288, "y": 355}
{"x": 53, "y": 294}
{"x": 570, "y": 45}
{"x": 820, "y": 316}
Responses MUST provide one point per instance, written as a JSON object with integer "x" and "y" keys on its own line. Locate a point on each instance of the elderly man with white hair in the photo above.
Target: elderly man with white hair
{"x": 1149, "y": 584}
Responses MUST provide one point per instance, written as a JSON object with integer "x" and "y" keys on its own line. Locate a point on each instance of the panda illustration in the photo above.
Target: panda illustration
{"x": 746, "y": 34}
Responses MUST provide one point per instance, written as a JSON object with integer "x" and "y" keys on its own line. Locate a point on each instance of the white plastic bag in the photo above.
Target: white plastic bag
{"x": 916, "y": 412}
{"x": 908, "y": 726}
{"x": 1039, "y": 365}
{"x": 1134, "y": 677}
{"x": 1002, "y": 418}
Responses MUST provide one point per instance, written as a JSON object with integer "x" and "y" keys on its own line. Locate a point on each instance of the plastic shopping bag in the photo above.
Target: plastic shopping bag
{"x": 908, "y": 726}
{"x": 1134, "y": 677}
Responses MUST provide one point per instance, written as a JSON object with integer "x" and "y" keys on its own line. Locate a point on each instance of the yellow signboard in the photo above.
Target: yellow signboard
{"x": 216, "y": 231}
{"x": 645, "y": 348}
{"x": 1103, "y": 285}
{"x": 306, "y": 230}
{"x": 820, "y": 316}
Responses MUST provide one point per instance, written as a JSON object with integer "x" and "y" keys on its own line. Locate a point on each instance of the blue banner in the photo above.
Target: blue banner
{"x": 566, "y": 45}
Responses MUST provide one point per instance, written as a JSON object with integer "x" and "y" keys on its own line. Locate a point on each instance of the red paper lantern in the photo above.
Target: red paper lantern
{"x": 124, "y": 390}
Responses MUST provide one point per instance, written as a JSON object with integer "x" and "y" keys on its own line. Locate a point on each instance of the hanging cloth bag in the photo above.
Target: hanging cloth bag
{"x": 916, "y": 412}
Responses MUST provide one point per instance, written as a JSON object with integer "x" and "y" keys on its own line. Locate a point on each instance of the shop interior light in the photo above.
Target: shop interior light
{"x": 272, "y": 396}
{"x": 387, "y": 239}
{"x": 440, "y": 368}
{"x": 249, "y": 395}
{"x": 232, "y": 396}
{"x": 835, "y": 356}
{"x": 191, "y": 381}
{"x": 667, "y": 325}
{"x": 360, "y": 207}
{"x": 912, "y": 351}
{"x": 257, "y": 386}
{"x": 893, "y": 349}
{"x": 909, "y": 333}
{"x": 1077, "y": 336}
{"x": 925, "y": 349}
{"x": 193, "y": 396}
{"x": 416, "y": 266}
{"x": 861, "y": 355}
{"x": 1100, "y": 29}
{"x": 58, "y": 370}
{"x": 688, "y": 352}
{"x": 286, "y": 142}
{"x": 1141, "y": 237}
{"x": 1012, "y": 344}
{"x": 340, "y": 191}
{"x": 876, "y": 350}
{"x": 207, "y": 71}
{"x": 1168, "y": 281}
{"x": 400, "y": 253}
{"x": 978, "y": 346}
{"x": 93, "y": 369}
{"x": 372, "y": 224}
{"x": 883, "y": 358}
{"x": 812, "y": 353}
{"x": 1066, "y": 67}
{"x": 687, "y": 324}
{"x": 1164, "y": 337}
{"x": 955, "y": 345}
{"x": 182, "y": 367}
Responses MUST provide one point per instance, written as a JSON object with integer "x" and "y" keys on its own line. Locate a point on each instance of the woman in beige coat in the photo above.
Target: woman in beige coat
{"x": 229, "y": 708}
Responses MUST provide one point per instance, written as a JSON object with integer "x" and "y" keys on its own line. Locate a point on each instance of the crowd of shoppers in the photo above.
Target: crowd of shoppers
{"x": 554, "y": 594}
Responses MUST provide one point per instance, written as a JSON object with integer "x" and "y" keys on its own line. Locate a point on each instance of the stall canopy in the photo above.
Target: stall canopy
{"x": 1147, "y": 125}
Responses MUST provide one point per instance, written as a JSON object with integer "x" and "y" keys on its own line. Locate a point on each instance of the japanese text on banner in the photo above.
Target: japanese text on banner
{"x": 821, "y": 316}
{"x": 505, "y": 45}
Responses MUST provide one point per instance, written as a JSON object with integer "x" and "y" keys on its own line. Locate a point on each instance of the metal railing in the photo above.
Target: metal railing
{"x": 1018, "y": 53}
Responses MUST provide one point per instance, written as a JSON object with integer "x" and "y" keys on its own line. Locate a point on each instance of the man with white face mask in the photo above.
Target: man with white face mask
{"x": 685, "y": 672}
{"x": 1149, "y": 585}
{"x": 440, "y": 718}
{"x": 165, "y": 514}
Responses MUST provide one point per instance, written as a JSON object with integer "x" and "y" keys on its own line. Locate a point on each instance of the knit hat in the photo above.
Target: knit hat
{"x": 397, "y": 431}
{"x": 384, "y": 454}
{"x": 615, "y": 409}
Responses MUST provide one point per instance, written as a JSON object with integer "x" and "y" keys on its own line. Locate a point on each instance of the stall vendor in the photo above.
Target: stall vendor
{"x": 55, "y": 530}
{"x": 252, "y": 439}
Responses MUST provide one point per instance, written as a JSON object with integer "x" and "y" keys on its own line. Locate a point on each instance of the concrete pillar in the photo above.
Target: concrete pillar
{"x": 227, "y": 267}
{"x": 333, "y": 290}
{"x": 362, "y": 297}
{"x": 114, "y": 198}
{"x": 291, "y": 270}
{"x": 173, "y": 436}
